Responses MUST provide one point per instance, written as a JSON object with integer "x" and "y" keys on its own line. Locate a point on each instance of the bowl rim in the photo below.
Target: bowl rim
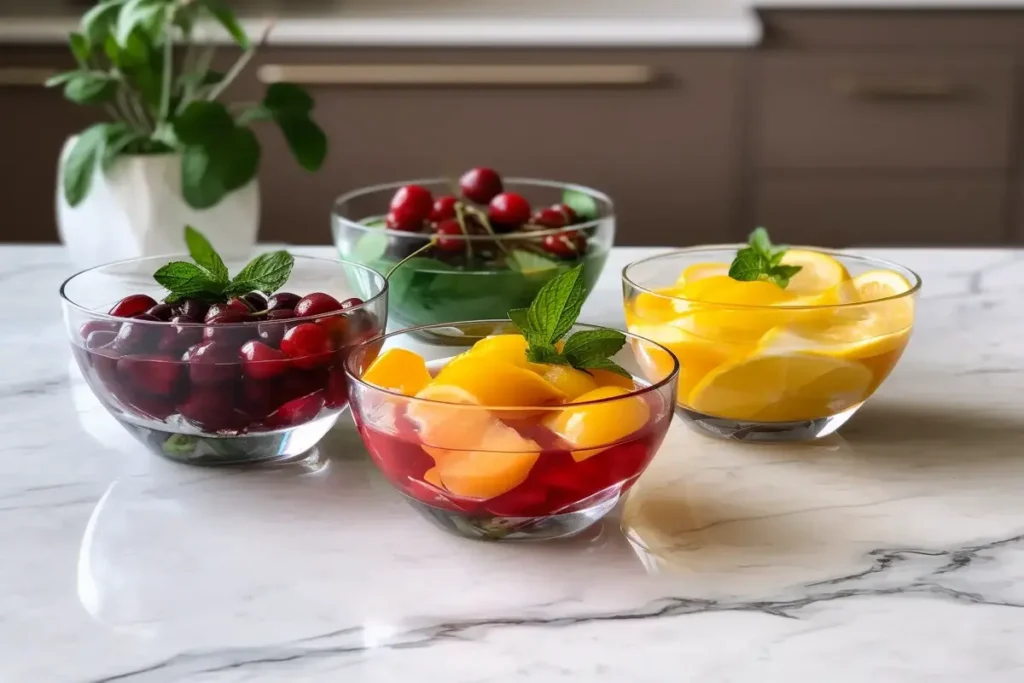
{"x": 655, "y": 386}
{"x": 503, "y": 237}
{"x": 878, "y": 263}
{"x": 96, "y": 315}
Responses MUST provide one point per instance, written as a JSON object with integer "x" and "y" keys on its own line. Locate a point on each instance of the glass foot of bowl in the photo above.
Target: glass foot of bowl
{"x": 766, "y": 432}
{"x": 494, "y": 528}
{"x": 278, "y": 447}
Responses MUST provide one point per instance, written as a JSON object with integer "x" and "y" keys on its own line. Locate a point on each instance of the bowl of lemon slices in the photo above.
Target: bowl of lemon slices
{"x": 774, "y": 343}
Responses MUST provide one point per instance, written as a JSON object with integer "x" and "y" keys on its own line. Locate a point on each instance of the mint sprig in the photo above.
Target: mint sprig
{"x": 550, "y": 317}
{"x": 208, "y": 278}
{"x": 761, "y": 260}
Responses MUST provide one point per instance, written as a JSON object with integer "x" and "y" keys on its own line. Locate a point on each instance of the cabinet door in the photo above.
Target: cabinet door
{"x": 851, "y": 210}
{"x": 664, "y": 146}
{"x": 35, "y": 123}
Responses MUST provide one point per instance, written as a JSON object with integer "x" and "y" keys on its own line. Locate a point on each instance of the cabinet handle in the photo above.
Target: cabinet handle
{"x": 519, "y": 75}
{"x": 934, "y": 89}
{"x": 24, "y": 76}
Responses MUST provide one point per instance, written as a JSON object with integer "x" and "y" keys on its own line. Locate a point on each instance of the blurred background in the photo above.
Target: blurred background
{"x": 832, "y": 122}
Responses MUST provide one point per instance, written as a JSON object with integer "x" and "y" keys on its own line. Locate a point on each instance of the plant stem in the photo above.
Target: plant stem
{"x": 165, "y": 90}
{"x": 199, "y": 70}
{"x": 239, "y": 65}
{"x": 127, "y": 114}
{"x": 419, "y": 251}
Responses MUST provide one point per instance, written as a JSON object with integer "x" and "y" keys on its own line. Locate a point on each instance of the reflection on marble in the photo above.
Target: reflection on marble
{"x": 894, "y": 552}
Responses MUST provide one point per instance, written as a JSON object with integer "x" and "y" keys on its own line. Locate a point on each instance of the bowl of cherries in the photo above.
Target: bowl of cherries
{"x": 479, "y": 245}
{"x": 211, "y": 369}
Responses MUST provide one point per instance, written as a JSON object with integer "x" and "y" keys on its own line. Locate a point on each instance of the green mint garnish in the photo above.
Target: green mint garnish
{"x": 761, "y": 260}
{"x": 208, "y": 278}
{"x": 582, "y": 204}
{"x": 550, "y": 317}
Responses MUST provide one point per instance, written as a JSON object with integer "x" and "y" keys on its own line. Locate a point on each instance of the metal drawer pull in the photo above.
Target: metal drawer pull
{"x": 22, "y": 76}
{"x": 459, "y": 74}
{"x": 915, "y": 90}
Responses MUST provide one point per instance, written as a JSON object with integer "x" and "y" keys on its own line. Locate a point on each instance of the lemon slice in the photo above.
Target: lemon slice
{"x": 849, "y": 341}
{"x": 818, "y": 272}
{"x": 700, "y": 271}
{"x": 782, "y": 388}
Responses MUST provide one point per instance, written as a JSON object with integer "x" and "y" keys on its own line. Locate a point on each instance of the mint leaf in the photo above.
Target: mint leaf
{"x": 593, "y": 345}
{"x": 557, "y": 305}
{"x": 606, "y": 364}
{"x": 781, "y": 275}
{"x": 181, "y": 278}
{"x": 748, "y": 265}
{"x": 266, "y": 273}
{"x": 762, "y": 261}
{"x": 545, "y": 354}
{"x": 582, "y": 204}
{"x": 203, "y": 253}
{"x": 760, "y": 242}
{"x": 520, "y": 318}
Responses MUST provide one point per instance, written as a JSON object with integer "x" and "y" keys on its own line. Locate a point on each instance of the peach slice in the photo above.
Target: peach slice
{"x": 398, "y": 370}
{"x": 501, "y": 461}
{"x": 570, "y": 381}
{"x": 591, "y": 429}
{"x": 498, "y": 383}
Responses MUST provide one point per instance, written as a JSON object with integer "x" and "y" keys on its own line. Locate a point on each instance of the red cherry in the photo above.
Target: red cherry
{"x": 566, "y": 210}
{"x": 351, "y": 302}
{"x": 91, "y": 326}
{"x": 161, "y": 311}
{"x": 447, "y": 241}
{"x": 403, "y": 222}
{"x": 212, "y": 409}
{"x": 565, "y": 244}
{"x": 444, "y": 208}
{"x": 308, "y": 345}
{"x": 212, "y": 362}
{"x": 99, "y": 338}
{"x": 550, "y": 217}
{"x": 255, "y": 300}
{"x": 297, "y": 411}
{"x": 258, "y": 397}
{"x": 480, "y": 185}
{"x": 138, "y": 337}
{"x": 150, "y": 372}
{"x": 508, "y": 210}
{"x": 270, "y": 333}
{"x": 260, "y": 361}
{"x": 181, "y": 334}
{"x": 337, "y": 388}
{"x": 283, "y": 300}
{"x": 133, "y": 305}
{"x": 193, "y": 308}
{"x": 230, "y": 328}
{"x": 233, "y": 306}
{"x": 413, "y": 202}
{"x": 316, "y": 304}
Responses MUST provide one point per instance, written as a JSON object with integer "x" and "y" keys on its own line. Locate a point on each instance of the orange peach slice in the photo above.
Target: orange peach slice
{"x": 499, "y": 383}
{"x": 590, "y": 429}
{"x": 398, "y": 370}
{"x": 501, "y": 461}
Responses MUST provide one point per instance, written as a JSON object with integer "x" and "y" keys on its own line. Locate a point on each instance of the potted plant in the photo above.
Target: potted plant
{"x": 172, "y": 153}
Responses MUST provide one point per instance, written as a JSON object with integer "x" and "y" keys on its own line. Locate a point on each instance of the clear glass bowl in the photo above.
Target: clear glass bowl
{"x": 492, "y": 275}
{"x": 768, "y": 372}
{"x": 512, "y": 473}
{"x": 214, "y": 407}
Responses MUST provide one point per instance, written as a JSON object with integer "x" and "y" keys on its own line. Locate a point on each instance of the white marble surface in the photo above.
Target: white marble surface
{"x": 892, "y": 553}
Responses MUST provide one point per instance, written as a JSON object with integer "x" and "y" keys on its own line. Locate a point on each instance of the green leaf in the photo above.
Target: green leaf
{"x": 520, "y": 318}
{"x": 762, "y": 261}
{"x": 557, "y": 305}
{"x": 306, "y": 140}
{"x": 90, "y": 87}
{"x": 217, "y": 167}
{"x": 287, "y": 99}
{"x": 147, "y": 15}
{"x": 202, "y": 181}
{"x": 203, "y": 123}
{"x": 545, "y": 354}
{"x": 582, "y": 204}
{"x": 183, "y": 278}
{"x": 79, "y": 48}
{"x": 781, "y": 275}
{"x": 606, "y": 364}
{"x": 759, "y": 241}
{"x": 267, "y": 272}
{"x": 226, "y": 18}
{"x": 62, "y": 78}
{"x": 242, "y": 156}
{"x": 81, "y": 162}
{"x": 748, "y": 265}
{"x": 98, "y": 22}
{"x": 203, "y": 253}
{"x": 117, "y": 141}
{"x": 593, "y": 345}
{"x": 524, "y": 261}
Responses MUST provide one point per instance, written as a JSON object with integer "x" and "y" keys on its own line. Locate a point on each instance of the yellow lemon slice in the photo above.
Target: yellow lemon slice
{"x": 662, "y": 304}
{"x": 398, "y": 370}
{"x": 700, "y": 271}
{"x": 850, "y": 341}
{"x": 595, "y": 428}
{"x": 782, "y": 388}
{"x": 697, "y": 356}
{"x": 880, "y": 284}
{"x": 818, "y": 272}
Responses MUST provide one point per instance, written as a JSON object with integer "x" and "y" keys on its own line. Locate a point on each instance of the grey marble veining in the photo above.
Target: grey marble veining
{"x": 892, "y": 552}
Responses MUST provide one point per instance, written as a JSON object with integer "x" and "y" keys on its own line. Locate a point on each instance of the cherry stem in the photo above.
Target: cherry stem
{"x": 486, "y": 222}
{"x": 460, "y": 218}
{"x": 414, "y": 254}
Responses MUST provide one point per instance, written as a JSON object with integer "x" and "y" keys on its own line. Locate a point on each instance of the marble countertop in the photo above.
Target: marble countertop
{"x": 894, "y": 552}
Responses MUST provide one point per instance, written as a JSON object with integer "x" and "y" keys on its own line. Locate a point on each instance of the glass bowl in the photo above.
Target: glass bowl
{"x": 211, "y": 406}
{"x": 489, "y": 276}
{"x": 504, "y": 472}
{"x": 789, "y": 372}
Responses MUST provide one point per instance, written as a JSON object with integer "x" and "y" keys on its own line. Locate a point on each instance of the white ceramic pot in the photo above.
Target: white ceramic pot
{"x": 137, "y": 209}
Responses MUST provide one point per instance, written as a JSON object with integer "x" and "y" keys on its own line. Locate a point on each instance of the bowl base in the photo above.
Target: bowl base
{"x": 492, "y": 528}
{"x": 765, "y": 432}
{"x": 291, "y": 446}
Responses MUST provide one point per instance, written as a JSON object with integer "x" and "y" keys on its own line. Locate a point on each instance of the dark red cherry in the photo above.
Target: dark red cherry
{"x": 91, "y": 326}
{"x": 99, "y": 339}
{"x": 550, "y": 217}
{"x": 444, "y": 208}
{"x": 337, "y": 388}
{"x": 308, "y": 345}
{"x": 260, "y": 361}
{"x": 133, "y": 305}
{"x": 138, "y": 337}
{"x": 193, "y": 308}
{"x": 230, "y": 328}
{"x": 316, "y": 304}
{"x": 271, "y": 332}
{"x": 298, "y": 383}
{"x": 351, "y": 302}
{"x": 153, "y": 373}
{"x": 255, "y": 300}
{"x": 283, "y": 300}
{"x": 297, "y": 411}
{"x": 508, "y": 211}
{"x": 480, "y": 185}
{"x": 182, "y": 333}
{"x": 565, "y": 245}
{"x": 213, "y": 362}
{"x": 258, "y": 397}
{"x": 212, "y": 409}
{"x": 566, "y": 210}
{"x": 233, "y": 306}
{"x": 449, "y": 237}
{"x": 412, "y": 202}
{"x": 403, "y": 222}
{"x": 161, "y": 312}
